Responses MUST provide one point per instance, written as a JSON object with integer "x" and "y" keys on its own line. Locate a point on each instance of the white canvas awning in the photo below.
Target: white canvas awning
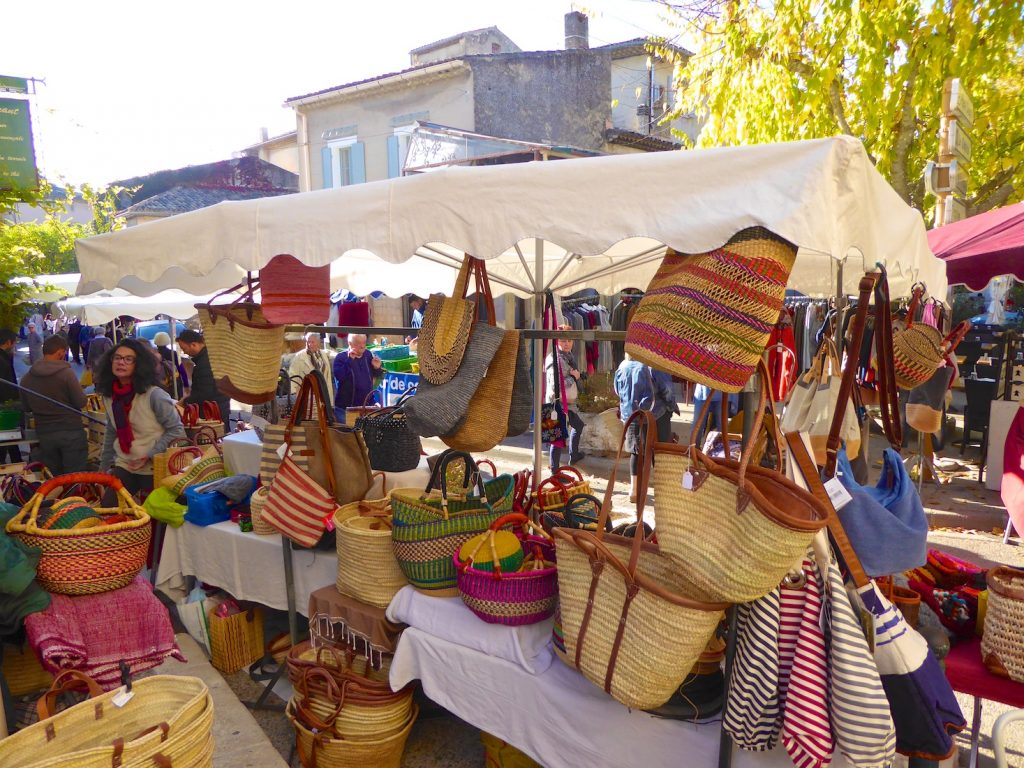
{"x": 47, "y": 288}
{"x": 600, "y": 222}
{"x": 103, "y": 306}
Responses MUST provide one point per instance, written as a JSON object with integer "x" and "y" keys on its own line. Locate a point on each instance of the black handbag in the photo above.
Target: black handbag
{"x": 392, "y": 444}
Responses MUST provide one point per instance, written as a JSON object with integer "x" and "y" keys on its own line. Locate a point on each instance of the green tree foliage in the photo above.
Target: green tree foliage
{"x": 47, "y": 247}
{"x": 779, "y": 70}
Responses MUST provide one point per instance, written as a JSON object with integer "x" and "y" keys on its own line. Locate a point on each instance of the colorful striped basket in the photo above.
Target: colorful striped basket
{"x": 525, "y": 596}
{"x": 707, "y": 316}
{"x": 85, "y": 561}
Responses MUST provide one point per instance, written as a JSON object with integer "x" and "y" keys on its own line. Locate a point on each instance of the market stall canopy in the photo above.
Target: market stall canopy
{"x": 103, "y": 306}
{"x": 982, "y": 247}
{"x": 47, "y": 288}
{"x": 602, "y": 223}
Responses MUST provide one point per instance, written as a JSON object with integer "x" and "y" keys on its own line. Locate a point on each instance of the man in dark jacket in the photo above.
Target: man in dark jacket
{"x": 204, "y": 386}
{"x": 8, "y": 340}
{"x": 62, "y": 439}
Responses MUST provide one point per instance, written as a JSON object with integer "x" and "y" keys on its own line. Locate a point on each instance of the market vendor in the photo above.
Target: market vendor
{"x": 357, "y": 372}
{"x": 142, "y": 420}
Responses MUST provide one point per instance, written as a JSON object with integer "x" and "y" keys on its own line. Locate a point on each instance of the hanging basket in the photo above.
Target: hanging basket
{"x": 86, "y": 561}
{"x": 245, "y": 349}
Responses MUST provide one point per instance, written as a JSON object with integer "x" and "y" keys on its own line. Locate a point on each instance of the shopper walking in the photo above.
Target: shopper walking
{"x": 35, "y": 343}
{"x": 98, "y": 348}
{"x": 634, "y": 384}
{"x": 204, "y": 386}
{"x": 142, "y": 420}
{"x": 62, "y": 439}
{"x": 570, "y": 379}
{"x": 8, "y": 393}
{"x": 357, "y": 371}
{"x": 74, "y": 340}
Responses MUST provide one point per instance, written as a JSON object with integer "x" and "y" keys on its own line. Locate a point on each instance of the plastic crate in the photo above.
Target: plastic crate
{"x": 206, "y": 508}
{"x": 402, "y": 365}
{"x": 392, "y": 352}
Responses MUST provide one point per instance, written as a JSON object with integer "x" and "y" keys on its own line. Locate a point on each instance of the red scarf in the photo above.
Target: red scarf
{"x": 122, "y": 406}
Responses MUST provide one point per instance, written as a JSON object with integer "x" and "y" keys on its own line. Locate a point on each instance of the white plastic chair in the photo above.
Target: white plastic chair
{"x": 997, "y": 735}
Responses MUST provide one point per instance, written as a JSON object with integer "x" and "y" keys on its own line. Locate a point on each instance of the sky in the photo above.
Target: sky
{"x": 136, "y": 87}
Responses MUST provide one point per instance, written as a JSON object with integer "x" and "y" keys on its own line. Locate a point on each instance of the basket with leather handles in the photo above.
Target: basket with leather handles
{"x": 342, "y": 662}
{"x": 245, "y": 348}
{"x": 524, "y": 596}
{"x": 919, "y": 350}
{"x": 348, "y": 708}
{"x": 86, "y": 561}
{"x": 392, "y": 445}
{"x": 553, "y": 491}
{"x": 318, "y": 749}
{"x": 160, "y": 459}
{"x": 197, "y": 417}
{"x": 167, "y": 720}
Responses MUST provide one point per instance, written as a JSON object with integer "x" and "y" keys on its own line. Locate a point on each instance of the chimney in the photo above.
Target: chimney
{"x": 577, "y": 34}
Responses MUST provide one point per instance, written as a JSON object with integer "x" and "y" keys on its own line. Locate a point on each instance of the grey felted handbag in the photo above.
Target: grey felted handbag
{"x": 521, "y": 410}
{"x": 438, "y": 409}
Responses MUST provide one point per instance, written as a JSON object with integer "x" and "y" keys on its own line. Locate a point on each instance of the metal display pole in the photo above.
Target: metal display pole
{"x": 538, "y": 358}
{"x": 174, "y": 340}
{"x": 293, "y": 630}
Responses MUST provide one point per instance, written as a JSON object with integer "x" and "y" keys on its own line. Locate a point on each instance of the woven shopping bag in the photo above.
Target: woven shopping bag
{"x": 707, "y": 317}
{"x": 236, "y": 641}
{"x": 520, "y": 411}
{"x": 367, "y": 568}
{"x": 168, "y": 720}
{"x": 297, "y": 507}
{"x": 245, "y": 348}
{"x": 487, "y": 415}
{"x": 628, "y": 621}
{"x": 1002, "y": 644}
{"x": 429, "y": 526}
{"x": 440, "y": 409}
{"x": 292, "y": 292}
{"x": 733, "y": 529}
{"x": 445, "y": 330}
{"x": 391, "y": 443}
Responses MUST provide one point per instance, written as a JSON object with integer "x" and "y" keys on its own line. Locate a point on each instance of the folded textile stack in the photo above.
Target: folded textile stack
{"x": 94, "y": 633}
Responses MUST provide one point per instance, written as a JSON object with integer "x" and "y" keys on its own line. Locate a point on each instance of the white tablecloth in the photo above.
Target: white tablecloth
{"x": 242, "y": 452}
{"x": 246, "y": 565}
{"x": 242, "y": 455}
{"x": 558, "y": 717}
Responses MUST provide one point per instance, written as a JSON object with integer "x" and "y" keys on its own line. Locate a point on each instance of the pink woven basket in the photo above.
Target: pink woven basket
{"x": 293, "y": 292}
{"x": 524, "y": 597}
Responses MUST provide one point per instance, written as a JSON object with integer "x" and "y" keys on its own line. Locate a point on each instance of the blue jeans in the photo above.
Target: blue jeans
{"x": 575, "y": 423}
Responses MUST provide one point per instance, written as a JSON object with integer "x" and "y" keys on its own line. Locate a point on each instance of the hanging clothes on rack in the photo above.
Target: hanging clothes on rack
{"x": 622, "y": 313}
{"x": 782, "y": 358}
{"x": 584, "y": 312}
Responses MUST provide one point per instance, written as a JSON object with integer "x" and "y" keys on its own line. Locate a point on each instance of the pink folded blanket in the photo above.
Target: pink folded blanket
{"x": 94, "y": 633}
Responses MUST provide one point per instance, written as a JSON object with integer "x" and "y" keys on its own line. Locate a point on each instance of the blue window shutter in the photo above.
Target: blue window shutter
{"x": 358, "y": 155}
{"x": 325, "y": 155}
{"x": 393, "y": 169}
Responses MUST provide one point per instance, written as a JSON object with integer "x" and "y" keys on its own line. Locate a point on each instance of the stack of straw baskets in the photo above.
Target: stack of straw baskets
{"x": 344, "y": 713}
{"x": 167, "y": 721}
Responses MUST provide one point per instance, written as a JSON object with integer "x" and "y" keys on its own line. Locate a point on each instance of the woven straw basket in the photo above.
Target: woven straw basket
{"x": 86, "y": 561}
{"x": 917, "y": 354}
{"x": 245, "y": 350}
{"x": 22, "y": 670}
{"x": 367, "y": 568}
{"x": 341, "y": 662}
{"x": 236, "y": 641}
{"x": 707, "y": 316}
{"x": 256, "y": 505}
{"x": 486, "y": 421}
{"x": 167, "y": 715}
{"x": 350, "y": 710}
{"x": 1002, "y": 644}
{"x": 322, "y": 751}
{"x": 663, "y": 632}
{"x": 445, "y": 331}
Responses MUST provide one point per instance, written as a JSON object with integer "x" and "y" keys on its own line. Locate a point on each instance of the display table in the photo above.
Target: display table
{"x": 554, "y": 714}
{"x": 246, "y": 565}
{"x": 242, "y": 452}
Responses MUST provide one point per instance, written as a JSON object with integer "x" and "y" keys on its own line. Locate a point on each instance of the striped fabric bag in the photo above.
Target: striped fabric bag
{"x": 297, "y": 506}
{"x": 752, "y": 716}
{"x": 270, "y": 459}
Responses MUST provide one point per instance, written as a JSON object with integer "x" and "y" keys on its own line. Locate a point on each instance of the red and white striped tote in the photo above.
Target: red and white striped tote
{"x": 297, "y": 506}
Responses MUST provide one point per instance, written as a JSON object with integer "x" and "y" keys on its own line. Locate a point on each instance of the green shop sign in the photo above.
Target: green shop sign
{"x": 17, "y": 155}
{"x": 13, "y": 84}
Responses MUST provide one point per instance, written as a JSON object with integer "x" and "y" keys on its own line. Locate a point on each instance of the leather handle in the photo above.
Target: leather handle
{"x": 867, "y": 284}
{"x": 798, "y": 451}
{"x": 67, "y": 680}
{"x": 892, "y": 422}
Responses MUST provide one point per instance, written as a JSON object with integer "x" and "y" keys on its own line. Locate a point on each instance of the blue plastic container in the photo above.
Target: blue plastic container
{"x": 206, "y": 508}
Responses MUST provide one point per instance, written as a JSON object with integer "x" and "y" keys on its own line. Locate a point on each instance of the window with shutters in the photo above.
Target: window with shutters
{"x": 398, "y": 148}
{"x": 343, "y": 162}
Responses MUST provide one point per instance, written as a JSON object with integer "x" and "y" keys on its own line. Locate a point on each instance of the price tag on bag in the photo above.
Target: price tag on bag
{"x": 687, "y": 480}
{"x": 282, "y": 450}
{"x": 122, "y": 697}
{"x": 837, "y": 493}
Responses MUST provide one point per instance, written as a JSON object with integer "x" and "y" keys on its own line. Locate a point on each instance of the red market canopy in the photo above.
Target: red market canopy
{"x": 982, "y": 247}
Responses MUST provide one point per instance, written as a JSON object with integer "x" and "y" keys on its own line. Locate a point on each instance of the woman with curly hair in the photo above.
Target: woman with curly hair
{"x": 142, "y": 420}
